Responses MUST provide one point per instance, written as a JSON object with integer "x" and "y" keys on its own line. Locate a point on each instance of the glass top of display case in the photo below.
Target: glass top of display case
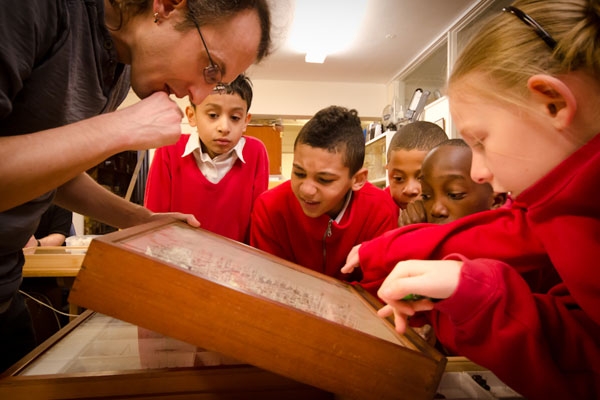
{"x": 102, "y": 343}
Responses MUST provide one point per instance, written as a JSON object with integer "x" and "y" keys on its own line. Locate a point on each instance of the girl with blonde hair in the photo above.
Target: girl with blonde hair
{"x": 519, "y": 288}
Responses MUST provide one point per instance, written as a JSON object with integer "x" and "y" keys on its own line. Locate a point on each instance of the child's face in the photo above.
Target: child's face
{"x": 320, "y": 180}
{"x": 512, "y": 147}
{"x": 220, "y": 120}
{"x": 449, "y": 193}
{"x": 404, "y": 169}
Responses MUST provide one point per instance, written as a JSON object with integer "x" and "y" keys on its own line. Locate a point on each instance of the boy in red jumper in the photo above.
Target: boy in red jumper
{"x": 525, "y": 96}
{"x": 448, "y": 192}
{"x": 328, "y": 206}
{"x": 408, "y": 148}
{"x": 218, "y": 173}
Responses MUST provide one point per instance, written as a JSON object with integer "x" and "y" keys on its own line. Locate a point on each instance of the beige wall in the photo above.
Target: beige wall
{"x": 304, "y": 98}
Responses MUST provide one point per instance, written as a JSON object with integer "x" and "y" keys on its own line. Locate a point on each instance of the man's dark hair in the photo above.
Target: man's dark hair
{"x": 419, "y": 135}
{"x": 336, "y": 129}
{"x": 242, "y": 86}
{"x": 206, "y": 12}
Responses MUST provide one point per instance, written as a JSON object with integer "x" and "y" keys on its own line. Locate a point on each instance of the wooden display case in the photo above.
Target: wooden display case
{"x": 99, "y": 357}
{"x": 203, "y": 289}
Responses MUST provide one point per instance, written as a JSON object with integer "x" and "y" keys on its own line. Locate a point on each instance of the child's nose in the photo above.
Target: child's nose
{"x": 412, "y": 188}
{"x": 439, "y": 210}
{"x": 479, "y": 171}
{"x": 307, "y": 188}
{"x": 224, "y": 124}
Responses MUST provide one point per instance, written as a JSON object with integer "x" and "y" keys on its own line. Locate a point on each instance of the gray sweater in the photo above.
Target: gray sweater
{"x": 58, "y": 65}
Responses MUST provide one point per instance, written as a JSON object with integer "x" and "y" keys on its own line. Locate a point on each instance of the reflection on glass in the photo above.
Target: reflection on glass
{"x": 214, "y": 259}
{"x": 102, "y": 344}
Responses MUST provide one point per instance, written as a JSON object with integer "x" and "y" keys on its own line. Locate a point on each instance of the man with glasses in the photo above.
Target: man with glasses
{"x": 63, "y": 64}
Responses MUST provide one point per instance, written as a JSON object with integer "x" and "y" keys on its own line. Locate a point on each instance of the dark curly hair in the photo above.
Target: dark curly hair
{"x": 336, "y": 129}
{"x": 419, "y": 135}
{"x": 242, "y": 86}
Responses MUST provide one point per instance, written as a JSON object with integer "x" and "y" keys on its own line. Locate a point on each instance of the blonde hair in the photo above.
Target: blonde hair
{"x": 506, "y": 51}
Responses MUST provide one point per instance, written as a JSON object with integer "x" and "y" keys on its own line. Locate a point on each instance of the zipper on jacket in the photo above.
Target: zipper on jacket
{"x": 325, "y": 236}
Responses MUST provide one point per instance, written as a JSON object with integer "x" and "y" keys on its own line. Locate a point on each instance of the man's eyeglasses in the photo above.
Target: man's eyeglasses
{"x": 212, "y": 73}
{"x": 537, "y": 28}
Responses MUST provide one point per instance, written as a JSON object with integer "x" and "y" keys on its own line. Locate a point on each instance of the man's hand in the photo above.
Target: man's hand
{"x": 413, "y": 214}
{"x": 151, "y": 123}
{"x": 188, "y": 218}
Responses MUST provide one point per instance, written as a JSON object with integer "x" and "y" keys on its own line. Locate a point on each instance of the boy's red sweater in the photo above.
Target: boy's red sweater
{"x": 528, "y": 301}
{"x": 280, "y": 227}
{"x": 176, "y": 184}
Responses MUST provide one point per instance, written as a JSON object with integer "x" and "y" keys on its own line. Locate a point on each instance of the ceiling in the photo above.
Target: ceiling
{"x": 391, "y": 35}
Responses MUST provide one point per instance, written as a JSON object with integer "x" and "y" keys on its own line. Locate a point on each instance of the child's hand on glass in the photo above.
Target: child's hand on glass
{"x": 352, "y": 260}
{"x": 413, "y": 214}
{"x": 430, "y": 278}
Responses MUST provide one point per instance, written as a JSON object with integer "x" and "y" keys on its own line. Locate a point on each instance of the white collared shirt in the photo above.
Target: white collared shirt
{"x": 341, "y": 214}
{"x": 214, "y": 169}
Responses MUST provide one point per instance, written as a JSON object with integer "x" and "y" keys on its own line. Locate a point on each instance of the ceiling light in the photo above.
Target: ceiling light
{"x": 315, "y": 57}
{"x": 321, "y": 28}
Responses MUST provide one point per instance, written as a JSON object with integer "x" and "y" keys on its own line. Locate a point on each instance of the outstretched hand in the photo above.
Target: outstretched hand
{"x": 434, "y": 279}
{"x": 352, "y": 260}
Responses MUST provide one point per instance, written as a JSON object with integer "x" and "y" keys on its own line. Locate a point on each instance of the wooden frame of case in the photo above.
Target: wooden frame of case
{"x": 222, "y": 382}
{"x": 159, "y": 292}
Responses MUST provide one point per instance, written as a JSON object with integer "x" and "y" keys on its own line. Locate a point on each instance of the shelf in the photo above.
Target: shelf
{"x": 374, "y": 140}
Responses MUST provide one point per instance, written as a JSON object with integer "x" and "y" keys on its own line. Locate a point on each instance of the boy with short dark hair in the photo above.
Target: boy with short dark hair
{"x": 218, "y": 173}
{"x": 328, "y": 206}
{"x": 406, "y": 152}
{"x": 448, "y": 192}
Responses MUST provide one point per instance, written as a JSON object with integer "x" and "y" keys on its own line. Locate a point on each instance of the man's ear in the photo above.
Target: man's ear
{"x": 498, "y": 200}
{"x": 554, "y": 99}
{"x": 359, "y": 179}
{"x": 164, "y": 8}
{"x": 190, "y": 113}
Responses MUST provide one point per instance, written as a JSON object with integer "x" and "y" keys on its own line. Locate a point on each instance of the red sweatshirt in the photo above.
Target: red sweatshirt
{"x": 280, "y": 227}
{"x": 176, "y": 184}
{"x": 543, "y": 342}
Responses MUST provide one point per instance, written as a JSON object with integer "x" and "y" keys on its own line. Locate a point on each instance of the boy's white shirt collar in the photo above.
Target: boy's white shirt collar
{"x": 214, "y": 169}
{"x": 193, "y": 143}
{"x": 341, "y": 214}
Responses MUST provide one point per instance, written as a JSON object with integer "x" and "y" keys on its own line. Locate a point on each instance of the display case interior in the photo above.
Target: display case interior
{"x": 100, "y": 357}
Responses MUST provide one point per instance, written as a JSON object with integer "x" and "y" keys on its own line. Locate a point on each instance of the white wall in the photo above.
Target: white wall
{"x": 305, "y": 98}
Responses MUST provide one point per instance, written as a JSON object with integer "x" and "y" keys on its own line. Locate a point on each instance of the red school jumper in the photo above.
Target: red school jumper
{"x": 176, "y": 184}
{"x": 280, "y": 227}
{"x": 541, "y": 339}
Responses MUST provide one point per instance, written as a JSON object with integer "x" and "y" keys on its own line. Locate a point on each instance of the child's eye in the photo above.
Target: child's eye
{"x": 457, "y": 196}
{"x": 398, "y": 179}
{"x": 299, "y": 174}
{"x": 425, "y": 196}
{"x": 325, "y": 181}
{"x": 235, "y": 118}
{"x": 212, "y": 115}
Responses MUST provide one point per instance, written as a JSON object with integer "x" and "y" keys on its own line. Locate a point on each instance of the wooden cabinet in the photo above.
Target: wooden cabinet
{"x": 271, "y": 137}
{"x": 219, "y": 294}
